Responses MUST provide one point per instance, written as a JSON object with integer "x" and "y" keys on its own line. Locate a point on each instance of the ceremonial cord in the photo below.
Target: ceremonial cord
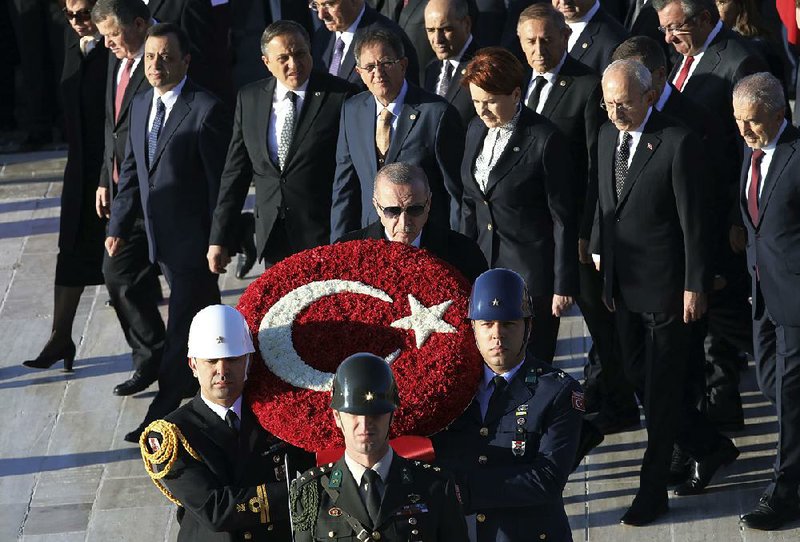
{"x": 165, "y": 455}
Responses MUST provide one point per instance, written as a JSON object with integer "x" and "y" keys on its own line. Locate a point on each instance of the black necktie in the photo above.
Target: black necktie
{"x": 373, "y": 500}
{"x": 232, "y": 420}
{"x": 621, "y": 165}
{"x": 538, "y": 84}
{"x": 500, "y": 385}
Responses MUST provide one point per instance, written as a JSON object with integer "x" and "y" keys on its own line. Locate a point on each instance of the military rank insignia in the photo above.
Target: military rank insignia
{"x": 336, "y": 479}
{"x": 577, "y": 401}
{"x": 518, "y": 447}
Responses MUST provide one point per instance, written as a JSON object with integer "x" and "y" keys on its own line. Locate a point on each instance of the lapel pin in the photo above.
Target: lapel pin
{"x": 463, "y": 72}
{"x": 412, "y": 116}
{"x": 515, "y": 149}
{"x": 317, "y": 93}
{"x": 585, "y": 45}
{"x": 562, "y": 83}
{"x": 649, "y": 146}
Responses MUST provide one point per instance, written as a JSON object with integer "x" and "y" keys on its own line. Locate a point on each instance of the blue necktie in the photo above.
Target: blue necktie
{"x": 152, "y": 139}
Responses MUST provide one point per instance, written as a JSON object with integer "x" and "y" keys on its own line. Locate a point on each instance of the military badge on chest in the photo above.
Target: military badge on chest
{"x": 521, "y": 418}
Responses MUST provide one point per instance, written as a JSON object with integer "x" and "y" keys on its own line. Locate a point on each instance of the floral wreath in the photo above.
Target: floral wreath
{"x": 313, "y": 309}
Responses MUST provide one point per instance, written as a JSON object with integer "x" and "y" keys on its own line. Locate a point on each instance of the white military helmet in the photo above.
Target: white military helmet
{"x": 219, "y": 331}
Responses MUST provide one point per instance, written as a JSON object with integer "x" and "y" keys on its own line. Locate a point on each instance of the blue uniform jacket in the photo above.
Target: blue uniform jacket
{"x": 512, "y": 467}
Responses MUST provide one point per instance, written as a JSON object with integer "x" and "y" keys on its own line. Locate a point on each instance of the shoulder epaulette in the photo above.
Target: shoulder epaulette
{"x": 307, "y": 496}
{"x": 164, "y": 452}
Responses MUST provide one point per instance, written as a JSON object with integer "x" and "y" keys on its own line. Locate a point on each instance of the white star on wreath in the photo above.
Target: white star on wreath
{"x": 425, "y": 320}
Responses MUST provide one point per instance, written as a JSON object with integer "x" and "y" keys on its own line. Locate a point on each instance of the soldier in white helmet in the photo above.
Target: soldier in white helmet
{"x": 211, "y": 457}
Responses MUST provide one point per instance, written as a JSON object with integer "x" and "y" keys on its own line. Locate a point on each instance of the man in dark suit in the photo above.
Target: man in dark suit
{"x": 410, "y": 125}
{"x": 229, "y": 476}
{"x": 410, "y": 17}
{"x": 343, "y": 21}
{"x": 284, "y": 138}
{"x": 650, "y": 242}
{"x": 173, "y": 162}
{"x": 595, "y": 33}
{"x": 372, "y": 493}
{"x": 448, "y": 25}
{"x": 130, "y": 277}
{"x": 769, "y": 196}
{"x": 712, "y": 60}
{"x": 402, "y": 200}
{"x": 568, "y": 93}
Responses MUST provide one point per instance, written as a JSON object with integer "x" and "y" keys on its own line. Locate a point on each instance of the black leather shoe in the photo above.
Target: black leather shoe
{"x": 590, "y": 438}
{"x": 134, "y": 435}
{"x": 247, "y": 257}
{"x": 704, "y": 470}
{"x": 138, "y": 382}
{"x": 609, "y": 423}
{"x": 644, "y": 511}
{"x": 679, "y": 469}
{"x": 771, "y": 513}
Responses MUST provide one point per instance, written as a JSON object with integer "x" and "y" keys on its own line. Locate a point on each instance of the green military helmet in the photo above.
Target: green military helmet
{"x": 364, "y": 385}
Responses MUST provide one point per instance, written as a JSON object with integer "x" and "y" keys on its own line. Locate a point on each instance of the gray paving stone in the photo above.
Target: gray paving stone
{"x": 68, "y": 486}
{"x": 57, "y": 519}
{"x": 12, "y": 515}
{"x": 129, "y": 493}
{"x": 57, "y": 537}
{"x": 129, "y": 524}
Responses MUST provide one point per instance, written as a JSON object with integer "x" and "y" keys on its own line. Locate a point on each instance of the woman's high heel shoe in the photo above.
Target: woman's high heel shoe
{"x": 45, "y": 361}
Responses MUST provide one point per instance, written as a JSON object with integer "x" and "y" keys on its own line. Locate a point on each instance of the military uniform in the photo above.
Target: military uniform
{"x": 511, "y": 468}
{"x": 229, "y": 485}
{"x": 419, "y": 504}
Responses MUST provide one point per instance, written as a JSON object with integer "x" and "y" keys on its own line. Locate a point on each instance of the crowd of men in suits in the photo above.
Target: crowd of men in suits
{"x": 627, "y": 174}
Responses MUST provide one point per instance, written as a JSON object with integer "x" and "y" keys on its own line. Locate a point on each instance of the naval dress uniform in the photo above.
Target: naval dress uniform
{"x": 512, "y": 464}
{"x": 419, "y": 502}
{"x": 228, "y": 478}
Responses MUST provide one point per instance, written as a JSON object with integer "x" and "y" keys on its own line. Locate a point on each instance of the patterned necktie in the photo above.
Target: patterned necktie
{"x": 538, "y": 84}
{"x": 373, "y": 497}
{"x": 446, "y": 79}
{"x": 621, "y": 165}
{"x": 121, "y": 87}
{"x": 287, "y": 130}
{"x": 383, "y": 133}
{"x": 684, "y": 73}
{"x": 152, "y": 139}
{"x": 232, "y": 420}
{"x": 755, "y": 185}
{"x": 336, "y": 59}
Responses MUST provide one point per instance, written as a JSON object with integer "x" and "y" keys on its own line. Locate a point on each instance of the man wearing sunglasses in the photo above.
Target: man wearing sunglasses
{"x": 402, "y": 199}
{"x": 712, "y": 60}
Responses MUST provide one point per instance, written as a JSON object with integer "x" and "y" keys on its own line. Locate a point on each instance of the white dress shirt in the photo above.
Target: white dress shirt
{"x": 766, "y": 160}
{"x": 580, "y": 25}
{"x": 169, "y": 98}
{"x": 486, "y": 387}
{"x": 221, "y": 411}
{"x": 550, "y": 77}
{"x": 124, "y": 61}
{"x": 277, "y": 115}
{"x": 358, "y": 470}
{"x": 697, "y": 56}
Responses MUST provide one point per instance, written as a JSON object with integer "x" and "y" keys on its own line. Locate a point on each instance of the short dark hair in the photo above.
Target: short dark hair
{"x": 384, "y": 36}
{"x": 124, "y": 11}
{"x": 691, "y": 8}
{"x": 642, "y": 48}
{"x": 160, "y": 30}
{"x": 283, "y": 28}
{"x": 495, "y": 70}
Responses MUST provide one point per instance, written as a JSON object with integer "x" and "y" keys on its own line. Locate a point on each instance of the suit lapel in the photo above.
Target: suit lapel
{"x": 262, "y": 121}
{"x": 473, "y": 148}
{"x": 179, "y": 111}
{"x": 560, "y": 86}
{"x": 349, "y": 498}
{"x": 708, "y": 63}
{"x": 365, "y": 130}
{"x": 408, "y": 11}
{"x": 405, "y": 123}
{"x": 648, "y": 145}
{"x": 515, "y": 394}
{"x": 517, "y": 147}
{"x": 783, "y": 153}
{"x": 136, "y": 80}
{"x": 606, "y": 154}
{"x": 213, "y": 426}
{"x": 396, "y": 492}
{"x": 585, "y": 40}
{"x": 312, "y": 104}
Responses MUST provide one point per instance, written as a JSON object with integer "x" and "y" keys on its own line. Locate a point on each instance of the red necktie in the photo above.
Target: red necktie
{"x": 755, "y": 185}
{"x": 684, "y": 74}
{"x": 121, "y": 87}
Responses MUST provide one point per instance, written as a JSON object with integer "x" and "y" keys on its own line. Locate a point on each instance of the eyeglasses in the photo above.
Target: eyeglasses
{"x": 677, "y": 28}
{"x": 394, "y": 211}
{"x": 615, "y": 107}
{"x": 316, "y": 6}
{"x": 383, "y": 64}
{"x": 80, "y": 16}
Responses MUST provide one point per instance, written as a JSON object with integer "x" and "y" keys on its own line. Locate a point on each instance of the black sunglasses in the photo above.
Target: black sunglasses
{"x": 80, "y": 16}
{"x": 395, "y": 211}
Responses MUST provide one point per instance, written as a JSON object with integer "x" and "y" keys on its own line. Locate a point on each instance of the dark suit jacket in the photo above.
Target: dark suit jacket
{"x": 598, "y": 40}
{"x": 83, "y": 89}
{"x": 646, "y": 24}
{"x": 234, "y": 471}
{"x": 526, "y": 220}
{"x": 458, "y": 96}
{"x": 573, "y": 105}
{"x": 324, "y": 40}
{"x": 414, "y": 490}
{"x": 429, "y": 134}
{"x": 411, "y": 18}
{"x": 178, "y": 191}
{"x": 773, "y": 245}
{"x": 458, "y": 250}
{"x": 653, "y": 242}
{"x": 116, "y": 131}
{"x": 301, "y": 193}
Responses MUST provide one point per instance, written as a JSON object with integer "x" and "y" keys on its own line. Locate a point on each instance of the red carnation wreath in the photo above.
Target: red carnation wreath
{"x": 312, "y": 310}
